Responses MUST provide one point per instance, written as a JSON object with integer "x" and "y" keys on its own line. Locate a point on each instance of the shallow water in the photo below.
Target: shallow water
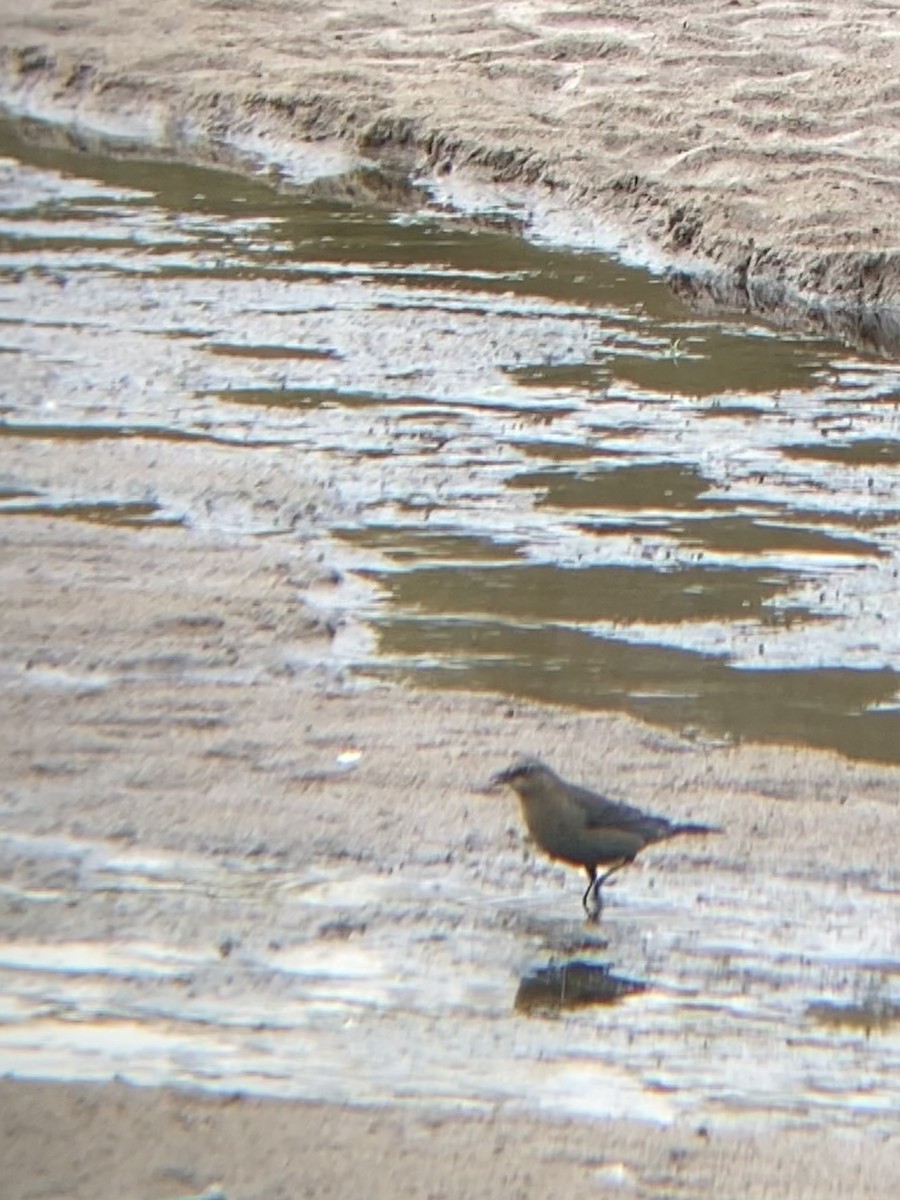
{"x": 559, "y": 482}
{"x": 564, "y": 483}
{"x": 441, "y": 988}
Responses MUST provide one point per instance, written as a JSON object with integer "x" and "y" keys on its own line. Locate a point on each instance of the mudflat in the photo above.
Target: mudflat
{"x": 283, "y": 899}
{"x": 251, "y": 883}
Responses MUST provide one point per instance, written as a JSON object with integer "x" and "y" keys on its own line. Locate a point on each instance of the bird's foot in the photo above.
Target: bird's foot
{"x": 593, "y": 906}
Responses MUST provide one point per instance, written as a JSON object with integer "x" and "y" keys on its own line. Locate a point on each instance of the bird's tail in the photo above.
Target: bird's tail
{"x": 676, "y": 830}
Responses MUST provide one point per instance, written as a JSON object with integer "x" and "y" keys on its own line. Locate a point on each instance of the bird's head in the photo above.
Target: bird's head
{"x": 525, "y": 776}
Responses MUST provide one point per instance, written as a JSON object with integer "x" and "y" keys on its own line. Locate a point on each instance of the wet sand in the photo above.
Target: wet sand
{"x": 115, "y": 1141}
{"x": 196, "y": 712}
{"x": 203, "y": 708}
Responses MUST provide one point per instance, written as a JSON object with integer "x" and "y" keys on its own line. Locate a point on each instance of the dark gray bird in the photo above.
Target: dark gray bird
{"x": 582, "y": 827}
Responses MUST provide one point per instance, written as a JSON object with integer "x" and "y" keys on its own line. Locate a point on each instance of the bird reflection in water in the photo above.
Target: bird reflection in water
{"x": 574, "y": 984}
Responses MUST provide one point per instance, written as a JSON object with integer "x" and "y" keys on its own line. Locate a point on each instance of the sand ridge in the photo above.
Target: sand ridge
{"x": 760, "y": 139}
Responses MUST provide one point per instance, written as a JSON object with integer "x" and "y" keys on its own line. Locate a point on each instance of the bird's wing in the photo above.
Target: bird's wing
{"x": 601, "y": 813}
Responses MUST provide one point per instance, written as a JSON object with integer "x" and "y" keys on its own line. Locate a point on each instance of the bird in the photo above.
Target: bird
{"x": 583, "y": 828}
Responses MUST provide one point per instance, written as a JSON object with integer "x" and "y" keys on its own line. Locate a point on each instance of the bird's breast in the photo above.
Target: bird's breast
{"x": 556, "y": 829}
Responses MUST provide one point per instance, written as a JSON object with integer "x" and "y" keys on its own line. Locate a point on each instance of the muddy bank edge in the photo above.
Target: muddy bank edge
{"x": 755, "y": 202}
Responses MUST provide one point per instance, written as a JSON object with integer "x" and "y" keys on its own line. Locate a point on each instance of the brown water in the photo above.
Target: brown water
{"x": 565, "y": 484}
{"x": 560, "y": 483}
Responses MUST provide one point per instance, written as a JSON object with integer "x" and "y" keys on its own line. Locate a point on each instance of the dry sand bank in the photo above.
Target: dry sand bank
{"x": 760, "y": 139}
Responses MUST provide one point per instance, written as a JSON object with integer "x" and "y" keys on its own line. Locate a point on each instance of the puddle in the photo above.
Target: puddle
{"x": 566, "y": 485}
{"x": 130, "y": 513}
{"x": 875, "y": 1016}
{"x": 689, "y": 518}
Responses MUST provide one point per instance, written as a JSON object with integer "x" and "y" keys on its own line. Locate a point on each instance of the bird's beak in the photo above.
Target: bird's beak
{"x": 498, "y": 780}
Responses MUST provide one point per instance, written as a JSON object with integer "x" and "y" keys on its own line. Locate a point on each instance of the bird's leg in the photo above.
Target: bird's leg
{"x": 591, "y": 887}
{"x": 612, "y": 870}
{"x": 596, "y": 884}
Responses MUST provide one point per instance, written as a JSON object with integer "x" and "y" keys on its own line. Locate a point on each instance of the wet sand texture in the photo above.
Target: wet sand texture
{"x": 170, "y": 735}
{"x": 761, "y": 139}
{"x": 267, "y": 884}
{"x": 106, "y": 1143}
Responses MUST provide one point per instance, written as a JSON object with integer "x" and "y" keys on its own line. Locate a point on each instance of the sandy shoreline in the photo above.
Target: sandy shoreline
{"x": 761, "y": 142}
{"x": 202, "y": 710}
